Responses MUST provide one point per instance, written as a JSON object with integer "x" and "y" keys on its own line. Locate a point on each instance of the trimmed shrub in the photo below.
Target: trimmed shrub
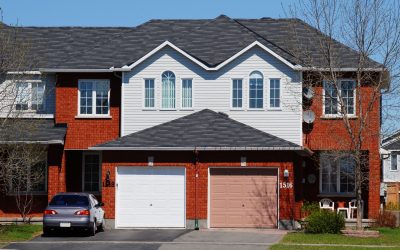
{"x": 385, "y": 219}
{"x": 308, "y": 208}
{"x": 324, "y": 221}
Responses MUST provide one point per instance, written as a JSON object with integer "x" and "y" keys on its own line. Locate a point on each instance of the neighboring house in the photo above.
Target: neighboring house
{"x": 178, "y": 122}
{"x": 390, "y": 154}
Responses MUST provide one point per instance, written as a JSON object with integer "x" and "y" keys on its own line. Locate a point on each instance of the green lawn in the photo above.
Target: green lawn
{"x": 18, "y": 232}
{"x": 297, "y": 247}
{"x": 388, "y": 237}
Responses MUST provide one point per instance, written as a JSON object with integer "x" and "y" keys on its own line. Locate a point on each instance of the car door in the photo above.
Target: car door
{"x": 97, "y": 210}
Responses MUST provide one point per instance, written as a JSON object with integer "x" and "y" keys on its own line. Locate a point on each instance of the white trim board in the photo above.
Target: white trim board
{"x": 202, "y": 65}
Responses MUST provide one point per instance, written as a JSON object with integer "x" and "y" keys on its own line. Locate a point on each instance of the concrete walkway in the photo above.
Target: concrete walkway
{"x": 158, "y": 239}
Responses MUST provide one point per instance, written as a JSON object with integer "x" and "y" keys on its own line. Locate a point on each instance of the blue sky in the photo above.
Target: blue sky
{"x": 130, "y": 12}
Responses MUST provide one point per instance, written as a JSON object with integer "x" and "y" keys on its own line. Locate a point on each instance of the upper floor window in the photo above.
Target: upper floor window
{"x": 237, "y": 93}
{"x": 168, "y": 90}
{"x": 149, "y": 101}
{"x": 30, "y": 96}
{"x": 336, "y": 174}
{"x": 94, "y": 97}
{"x": 394, "y": 159}
{"x": 187, "y": 93}
{"x": 274, "y": 93}
{"x": 256, "y": 88}
{"x": 343, "y": 93}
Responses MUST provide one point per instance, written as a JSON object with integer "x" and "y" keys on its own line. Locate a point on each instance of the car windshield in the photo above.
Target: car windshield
{"x": 69, "y": 200}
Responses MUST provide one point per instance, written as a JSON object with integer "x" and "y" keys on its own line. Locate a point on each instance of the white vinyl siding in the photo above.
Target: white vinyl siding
{"x": 187, "y": 94}
{"x": 213, "y": 90}
{"x": 237, "y": 93}
{"x": 391, "y": 163}
{"x": 168, "y": 90}
{"x": 274, "y": 93}
{"x": 149, "y": 101}
{"x": 94, "y": 97}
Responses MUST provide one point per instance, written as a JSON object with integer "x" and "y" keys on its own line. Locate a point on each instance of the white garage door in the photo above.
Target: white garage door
{"x": 150, "y": 197}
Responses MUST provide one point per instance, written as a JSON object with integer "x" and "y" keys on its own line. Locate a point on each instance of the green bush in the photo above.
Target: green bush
{"x": 324, "y": 221}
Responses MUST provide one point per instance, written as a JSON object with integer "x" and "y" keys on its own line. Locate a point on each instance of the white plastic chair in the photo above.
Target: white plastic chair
{"x": 327, "y": 204}
{"x": 353, "y": 207}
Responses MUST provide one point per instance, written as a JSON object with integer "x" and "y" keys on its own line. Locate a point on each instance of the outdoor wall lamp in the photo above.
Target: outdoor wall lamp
{"x": 286, "y": 173}
{"x": 243, "y": 162}
{"x": 150, "y": 161}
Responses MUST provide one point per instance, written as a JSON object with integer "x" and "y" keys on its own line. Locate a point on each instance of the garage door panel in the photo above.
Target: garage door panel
{"x": 243, "y": 197}
{"x": 150, "y": 197}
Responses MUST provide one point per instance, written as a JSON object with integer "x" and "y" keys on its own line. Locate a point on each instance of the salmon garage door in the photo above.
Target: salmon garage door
{"x": 243, "y": 198}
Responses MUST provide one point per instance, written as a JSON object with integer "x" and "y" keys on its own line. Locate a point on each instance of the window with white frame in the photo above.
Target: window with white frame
{"x": 187, "y": 100}
{"x": 237, "y": 93}
{"x": 274, "y": 93}
{"x": 30, "y": 179}
{"x": 394, "y": 160}
{"x": 30, "y": 96}
{"x": 149, "y": 99}
{"x": 343, "y": 93}
{"x": 336, "y": 174}
{"x": 256, "y": 90}
{"x": 168, "y": 90}
{"x": 91, "y": 172}
{"x": 94, "y": 97}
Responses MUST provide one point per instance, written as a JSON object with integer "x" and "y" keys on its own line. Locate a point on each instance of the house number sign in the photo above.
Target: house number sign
{"x": 285, "y": 184}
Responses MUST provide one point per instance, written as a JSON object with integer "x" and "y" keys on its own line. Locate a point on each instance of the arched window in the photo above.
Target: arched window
{"x": 168, "y": 90}
{"x": 256, "y": 88}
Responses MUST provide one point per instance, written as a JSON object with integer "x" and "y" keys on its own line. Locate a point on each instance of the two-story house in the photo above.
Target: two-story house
{"x": 390, "y": 154}
{"x": 183, "y": 123}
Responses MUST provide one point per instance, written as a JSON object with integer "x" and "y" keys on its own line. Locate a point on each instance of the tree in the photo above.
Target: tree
{"x": 371, "y": 28}
{"x": 21, "y": 164}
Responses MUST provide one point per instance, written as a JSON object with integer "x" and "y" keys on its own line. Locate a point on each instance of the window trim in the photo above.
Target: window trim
{"x": 231, "y": 94}
{"x": 93, "y": 114}
{"x": 84, "y": 153}
{"x": 269, "y": 94}
{"x": 339, "y": 115}
{"x": 144, "y": 94}
{"x": 337, "y": 181}
{"x": 45, "y": 191}
{"x": 263, "y": 91}
{"x": 30, "y": 110}
{"x": 161, "y": 92}
{"x": 181, "y": 90}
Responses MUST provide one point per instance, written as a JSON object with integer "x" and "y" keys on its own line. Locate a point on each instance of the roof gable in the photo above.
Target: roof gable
{"x": 203, "y": 130}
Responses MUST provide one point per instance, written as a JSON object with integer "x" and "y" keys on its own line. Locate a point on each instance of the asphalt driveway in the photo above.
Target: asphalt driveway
{"x": 149, "y": 239}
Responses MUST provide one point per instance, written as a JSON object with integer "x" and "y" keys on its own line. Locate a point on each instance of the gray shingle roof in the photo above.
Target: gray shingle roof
{"x": 211, "y": 41}
{"x": 392, "y": 142}
{"x": 32, "y": 130}
{"x": 205, "y": 129}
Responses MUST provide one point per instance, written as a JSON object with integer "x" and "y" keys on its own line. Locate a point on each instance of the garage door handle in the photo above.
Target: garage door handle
{"x": 242, "y": 205}
{"x": 151, "y": 205}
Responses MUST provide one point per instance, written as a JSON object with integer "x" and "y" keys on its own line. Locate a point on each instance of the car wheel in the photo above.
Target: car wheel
{"x": 101, "y": 226}
{"x": 46, "y": 231}
{"x": 92, "y": 229}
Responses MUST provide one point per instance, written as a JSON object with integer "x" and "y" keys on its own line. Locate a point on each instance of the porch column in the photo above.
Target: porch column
{"x": 56, "y": 170}
{"x": 374, "y": 184}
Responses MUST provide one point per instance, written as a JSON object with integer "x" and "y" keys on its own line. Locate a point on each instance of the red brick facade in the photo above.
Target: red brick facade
{"x": 65, "y": 170}
{"x": 331, "y": 134}
{"x": 83, "y": 132}
{"x": 112, "y": 159}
